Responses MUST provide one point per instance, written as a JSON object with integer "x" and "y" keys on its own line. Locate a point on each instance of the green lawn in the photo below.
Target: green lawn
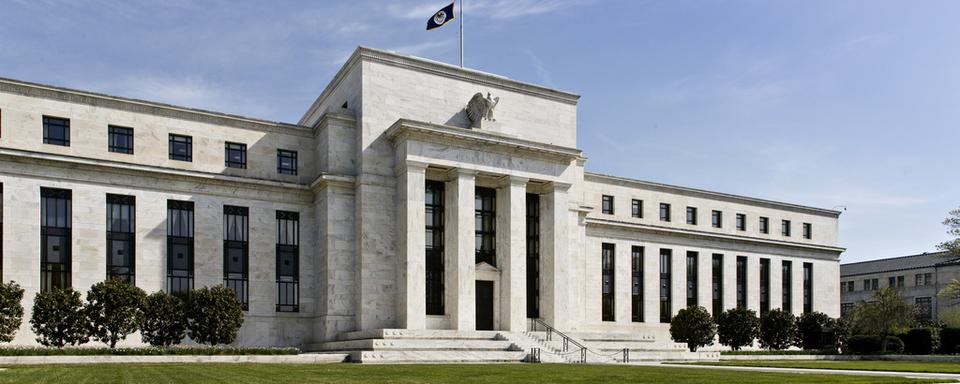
{"x": 459, "y": 374}
{"x": 865, "y": 365}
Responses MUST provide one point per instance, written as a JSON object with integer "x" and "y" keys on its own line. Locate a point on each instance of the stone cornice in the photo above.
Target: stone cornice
{"x": 326, "y": 180}
{"x": 592, "y": 221}
{"x": 607, "y": 179}
{"x": 330, "y": 118}
{"x": 68, "y": 95}
{"x": 404, "y": 129}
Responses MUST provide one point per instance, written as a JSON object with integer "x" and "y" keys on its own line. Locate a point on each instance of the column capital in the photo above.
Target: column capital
{"x": 411, "y": 166}
{"x": 511, "y": 180}
{"x": 557, "y": 186}
{"x": 455, "y": 173}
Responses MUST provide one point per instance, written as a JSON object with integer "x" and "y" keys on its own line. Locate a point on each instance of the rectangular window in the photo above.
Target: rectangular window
{"x": 286, "y": 162}
{"x": 236, "y": 252}
{"x": 785, "y": 227}
{"x": 533, "y": 255}
{"x": 845, "y": 308}
{"x": 692, "y": 275}
{"x": 433, "y": 198}
{"x": 636, "y": 209}
{"x": 607, "y": 260}
{"x": 807, "y": 231}
{"x": 121, "y": 224}
{"x": 741, "y": 281}
{"x": 874, "y": 285}
{"x": 764, "y": 225}
{"x": 636, "y": 293}
{"x": 786, "y": 283}
{"x": 692, "y": 215}
{"x": 181, "y": 147}
{"x": 851, "y": 286}
{"x": 666, "y": 312}
{"x": 485, "y": 214}
{"x": 664, "y": 212}
{"x": 892, "y": 281}
{"x": 924, "y": 308}
{"x": 928, "y": 279}
{"x": 607, "y": 205}
{"x": 288, "y": 261}
{"x": 716, "y": 219}
{"x": 764, "y": 286}
{"x": 741, "y": 222}
{"x": 56, "y": 225}
{"x": 918, "y": 280}
{"x": 717, "y": 284}
{"x": 180, "y": 247}
{"x": 900, "y": 281}
{"x": 235, "y": 155}
{"x": 808, "y": 287}
{"x": 120, "y": 139}
{"x": 56, "y": 131}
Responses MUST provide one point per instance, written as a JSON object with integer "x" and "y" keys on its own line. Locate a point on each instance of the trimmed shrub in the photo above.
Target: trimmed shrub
{"x": 164, "y": 321}
{"x": 738, "y": 327}
{"x": 11, "y": 310}
{"x": 114, "y": 310}
{"x": 215, "y": 315}
{"x": 863, "y": 344}
{"x": 894, "y": 345}
{"x": 811, "y": 328}
{"x": 778, "y": 330}
{"x": 58, "y": 318}
{"x": 950, "y": 340}
{"x": 693, "y": 326}
{"x": 921, "y": 341}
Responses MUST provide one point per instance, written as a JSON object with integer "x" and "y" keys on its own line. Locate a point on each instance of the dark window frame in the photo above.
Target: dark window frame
{"x": 636, "y": 208}
{"x": 174, "y": 141}
{"x": 693, "y": 278}
{"x": 764, "y": 225}
{"x": 433, "y": 249}
{"x": 692, "y": 215}
{"x": 533, "y": 255}
{"x": 786, "y": 285}
{"x": 807, "y": 231}
{"x": 636, "y": 277}
{"x": 56, "y": 224}
{"x": 235, "y": 155}
{"x": 924, "y": 308}
{"x": 785, "y": 227}
{"x": 180, "y": 235}
{"x": 741, "y": 281}
{"x": 53, "y": 125}
{"x": 716, "y": 219}
{"x": 485, "y": 233}
{"x": 121, "y": 230}
{"x": 606, "y": 204}
{"x": 808, "y": 287}
{"x": 291, "y": 156}
{"x": 665, "y": 212}
{"x": 120, "y": 139}
{"x": 666, "y": 281}
{"x": 717, "y": 283}
{"x": 288, "y": 252}
{"x": 764, "y": 286}
{"x": 236, "y": 237}
{"x": 608, "y": 255}
{"x": 741, "y": 222}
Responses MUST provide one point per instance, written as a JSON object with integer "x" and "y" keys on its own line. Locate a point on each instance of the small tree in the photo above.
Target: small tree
{"x": 164, "y": 320}
{"x": 738, "y": 327}
{"x": 11, "y": 310}
{"x": 953, "y": 229}
{"x": 693, "y": 326}
{"x": 215, "y": 315}
{"x": 778, "y": 330}
{"x": 950, "y": 317}
{"x": 951, "y": 291}
{"x": 811, "y": 327}
{"x": 114, "y": 310}
{"x": 887, "y": 314}
{"x": 58, "y": 318}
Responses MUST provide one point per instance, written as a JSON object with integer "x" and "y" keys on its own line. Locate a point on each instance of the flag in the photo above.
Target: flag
{"x": 440, "y": 18}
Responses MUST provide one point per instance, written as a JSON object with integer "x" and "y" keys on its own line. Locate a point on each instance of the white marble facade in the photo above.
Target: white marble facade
{"x": 381, "y": 129}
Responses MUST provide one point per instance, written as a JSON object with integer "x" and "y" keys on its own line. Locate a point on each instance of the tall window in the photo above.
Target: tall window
{"x": 807, "y": 287}
{"x": 55, "y": 238}
{"x": 764, "y": 286}
{"x": 692, "y": 278}
{"x": 486, "y": 225}
{"x": 433, "y": 198}
{"x": 607, "y": 204}
{"x": 179, "y": 247}
{"x": 636, "y": 293}
{"x": 716, "y": 218}
{"x": 666, "y": 311}
{"x": 807, "y": 231}
{"x": 607, "y": 256}
{"x": 235, "y": 155}
{"x": 717, "y": 284}
{"x": 741, "y": 222}
{"x": 288, "y": 261}
{"x": 692, "y": 215}
{"x": 236, "y": 260}
{"x": 56, "y": 131}
{"x": 764, "y": 225}
{"x": 786, "y": 282}
{"x": 120, "y": 139}
{"x": 785, "y": 227}
{"x": 533, "y": 255}
{"x": 741, "y": 281}
{"x": 636, "y": 208}
{"x": 664, "y": 212}
{"x": 181, "y": 147}
{"x": 286, "y": 162}
{"x": 121, "y": 224}
{"x": 924, "y": 308}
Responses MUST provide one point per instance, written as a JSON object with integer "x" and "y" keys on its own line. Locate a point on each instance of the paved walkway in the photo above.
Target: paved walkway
{"x": 949, "y": 377}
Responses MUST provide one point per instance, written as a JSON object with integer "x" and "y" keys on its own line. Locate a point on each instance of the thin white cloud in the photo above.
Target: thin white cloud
{"x": 422, "y": 48}
{"x": 541, "y": 69}
{"x": 190, "y": 92}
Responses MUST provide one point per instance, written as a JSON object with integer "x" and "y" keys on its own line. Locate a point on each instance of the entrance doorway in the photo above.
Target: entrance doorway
{"x": 484, "y": 305}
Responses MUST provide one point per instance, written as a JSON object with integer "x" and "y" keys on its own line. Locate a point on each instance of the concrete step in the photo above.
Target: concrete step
{"x": 432, "y": 334}
{"x": 414, "y": 344}
{"x": 437, "y": 356}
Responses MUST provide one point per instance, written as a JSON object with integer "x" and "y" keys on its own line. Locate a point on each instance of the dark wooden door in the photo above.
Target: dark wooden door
{"x": 484, "y": 305}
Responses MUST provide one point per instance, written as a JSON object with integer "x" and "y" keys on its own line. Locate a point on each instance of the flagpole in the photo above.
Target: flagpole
{"x": 461, "y": 33}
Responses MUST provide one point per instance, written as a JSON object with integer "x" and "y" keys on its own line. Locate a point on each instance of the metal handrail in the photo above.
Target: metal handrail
{"x": 567, "y": 340}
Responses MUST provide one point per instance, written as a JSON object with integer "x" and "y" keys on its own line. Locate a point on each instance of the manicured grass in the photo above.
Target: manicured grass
{"x": 408, "y": 374}
{"x": 145, "y": 351}
{"x": 859, "y": 365}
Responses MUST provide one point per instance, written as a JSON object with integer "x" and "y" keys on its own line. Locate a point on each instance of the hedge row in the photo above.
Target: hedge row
{"x": 147, "y": 351}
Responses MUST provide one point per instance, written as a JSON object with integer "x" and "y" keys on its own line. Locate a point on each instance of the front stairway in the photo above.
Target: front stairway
{"x": 425, "y": 346}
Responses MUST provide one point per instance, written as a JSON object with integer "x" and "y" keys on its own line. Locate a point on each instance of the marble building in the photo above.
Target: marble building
{"x": 411, "y": 195}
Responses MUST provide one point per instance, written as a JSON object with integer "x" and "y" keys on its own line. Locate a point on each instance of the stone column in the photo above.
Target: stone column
{"x": 512, "y": 252}
{"x": 753, "y": 283}
{"x": 776, "y": 283}
{"x": 622, "y": 282}
{"x": 705, "y": 280}
{"x": 729, "y": 280}
{"x": 411, "y": 303}
{"x": 459, "y": 251}
{"x": 678, "y": 281}
{"x": 555, "y": 248}
{"x": 797, "y": 286}
{"x": 651, "y": 284}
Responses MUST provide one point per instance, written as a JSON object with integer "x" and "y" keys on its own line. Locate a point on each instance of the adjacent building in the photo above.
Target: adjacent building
{"x": 411, "y": 194}
{"x": 918, "y": 277}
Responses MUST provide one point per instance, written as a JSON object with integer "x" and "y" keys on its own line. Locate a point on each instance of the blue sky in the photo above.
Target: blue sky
{"x": 822, "y": 103}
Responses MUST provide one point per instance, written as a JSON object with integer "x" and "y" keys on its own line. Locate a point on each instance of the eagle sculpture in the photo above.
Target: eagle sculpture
{"x": 480, "y": 108}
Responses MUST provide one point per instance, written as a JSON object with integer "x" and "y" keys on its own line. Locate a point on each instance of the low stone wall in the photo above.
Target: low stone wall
{"x": 307, "y": 358}
{"x": 930, "y": 358}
